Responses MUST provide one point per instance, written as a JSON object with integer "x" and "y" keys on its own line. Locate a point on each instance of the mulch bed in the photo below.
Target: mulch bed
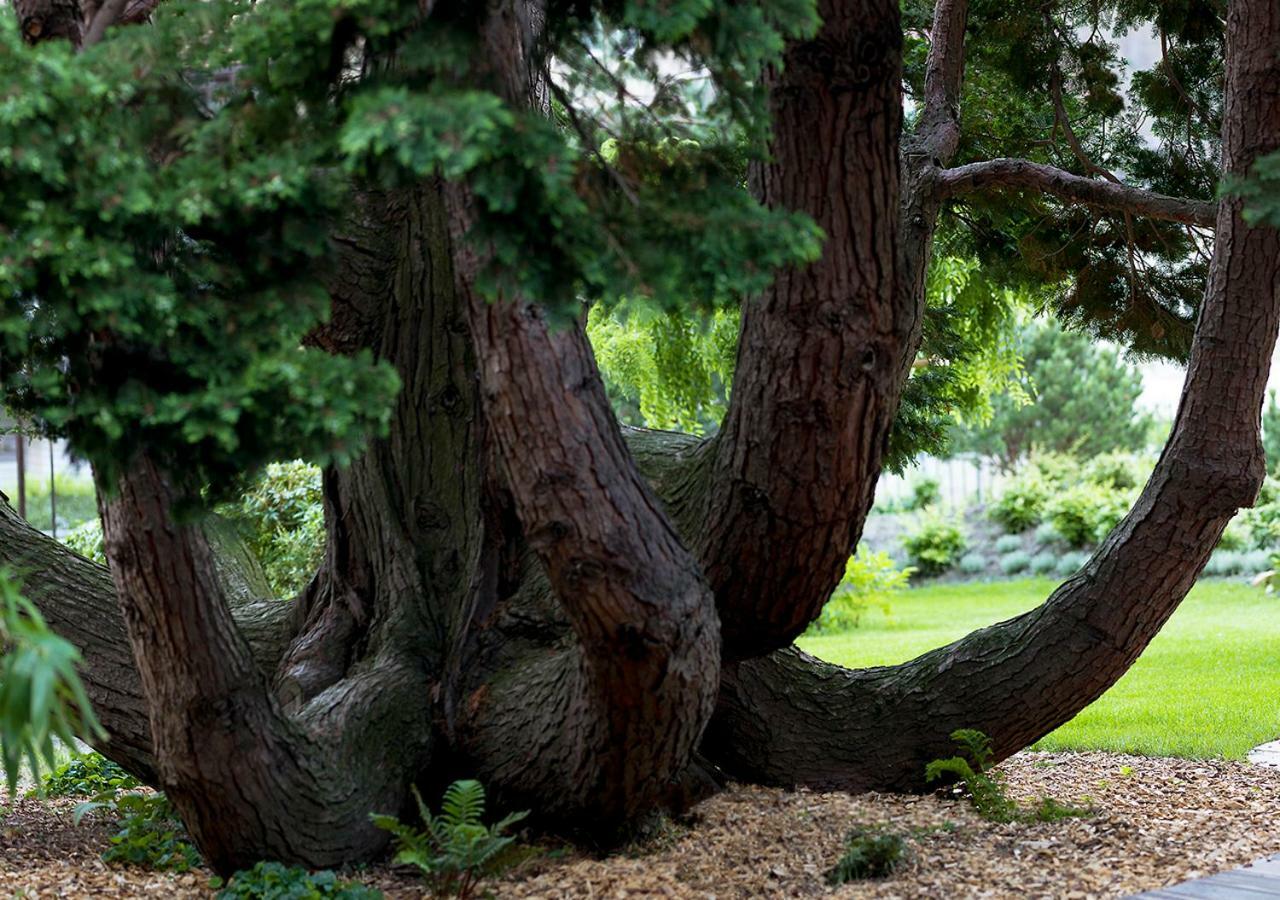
{"x": 1157, "y": 822}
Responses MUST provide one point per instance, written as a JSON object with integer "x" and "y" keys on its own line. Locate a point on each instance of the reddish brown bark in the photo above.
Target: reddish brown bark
{"x": 504, "y": 595}
{"x": 793, "y": 471}
{"x": 791, "y": 719}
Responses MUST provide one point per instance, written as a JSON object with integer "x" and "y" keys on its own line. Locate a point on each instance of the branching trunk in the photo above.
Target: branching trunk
{"x": 793, "y": 471}
{"x": 793, "y": 720}
{"x": 505, "y": 595}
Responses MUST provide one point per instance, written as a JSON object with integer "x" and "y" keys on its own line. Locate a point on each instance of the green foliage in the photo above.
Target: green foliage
{"x": 869, "y": 853}
{"x": 161, "y": 266}
{"x": 968, "y": 355}
{"x": 1070, "y": 563}
{"x": 1122, "y": 471}
{"x": 454, "y": 850}
{"x": 1083, "y": 402}
{"x": 1022, "y": 503}
{"x": 870, "y": 579}
{"x": 1237, "y": 536}
{"x": 935, "y": 546}
{"x": 1044, "y": 562}
{"x": 924, "y": 494}
{"x": 1263, "y": 518}
{"x": 281, "y": 517}
{"x": 1051, "y": 810}
{"x": 86, "y": 539}
{"x": 150, "y": 835}
{"x": 986, "y": 788}
{"x": 1262, "y": 190}
{"x": 274, "y": 881}
{"x": 1007, "y": 543}
{"x": 666, "y": 370}
{"x": 42, "y": 699}
{"x": 972, "y": 563}
{"x": 168, "y": 199}
{"x": 973, "y": 769}
{"x": 1085, "y": 513}
{"x": 1015, "y": 562}
{"x": 75, "y": 499}
{"x": 88, "y": 775}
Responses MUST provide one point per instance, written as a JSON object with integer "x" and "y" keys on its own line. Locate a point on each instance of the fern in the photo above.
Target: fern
{"x": 455, "y": 849}
{"x": 986, "y": 788}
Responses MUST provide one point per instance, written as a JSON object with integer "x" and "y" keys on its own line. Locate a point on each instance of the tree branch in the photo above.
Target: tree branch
{"x": 103, "y": 19}
{"x": 939, "y": 128}
{"x": 1110, "y": 195}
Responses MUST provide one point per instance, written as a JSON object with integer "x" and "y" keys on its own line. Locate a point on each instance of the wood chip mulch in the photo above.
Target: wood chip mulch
{"x": 1157, "y": 822}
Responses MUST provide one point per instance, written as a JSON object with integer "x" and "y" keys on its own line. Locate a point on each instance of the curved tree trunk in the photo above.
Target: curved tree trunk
{"x": 790, "y": 719}
{"x": 506, "y": 591}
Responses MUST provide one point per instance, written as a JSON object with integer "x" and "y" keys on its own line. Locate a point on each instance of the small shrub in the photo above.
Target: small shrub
{"x": 90, "y": 775}
{"x": 1085, "y": 513}
{"x": 1263, "y": 519}
{"x": 869, "y": 579}
{"x": 1122, "y": 471}
{"x": 924, "y": 493}
{"x": 455, "y": 850}
{"x": 86, "y": 539}
{"x": 1044, "y": 562}
{"x": 1055, "y": 469}
{"x": 869, "y": 853}
{"x": 1070, "y": 563}
{"x": 1047, "y": 535}
{"x": 1015, "y": 562}
{"x": 281, "y": 516}
{"x": 1021, "y": 506}
{"x": 150, "y": 833}
{"x": 986, "y": 788}
{"x": 935, "y": 547}
{"x": 973, "y": 563}
{"x": 1008, "y": 543}
{"x": 274, "y": 881}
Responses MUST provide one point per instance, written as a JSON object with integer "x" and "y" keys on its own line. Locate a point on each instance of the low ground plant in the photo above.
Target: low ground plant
{"x": 869, "y": 852}
{"x": 274, "y": 881}
{"x": 454, "y": 850}
{"x": 87, "y": 775}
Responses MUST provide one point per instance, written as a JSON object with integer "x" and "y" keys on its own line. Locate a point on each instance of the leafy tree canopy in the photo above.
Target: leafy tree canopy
{"x": 168, "y": 195}
{"x": 1082, "y": 401}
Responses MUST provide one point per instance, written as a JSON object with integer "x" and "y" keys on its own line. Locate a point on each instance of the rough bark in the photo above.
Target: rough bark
{"x": 1023, "y": 174}
{"x": 793, "y": 470}
{"x": 595, "y": 730}
{"x": 791, "y": 719}
{"x": 503, "y": 594}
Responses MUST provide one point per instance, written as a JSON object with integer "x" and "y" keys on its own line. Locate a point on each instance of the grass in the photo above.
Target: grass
{"x": 1206, "y": 688}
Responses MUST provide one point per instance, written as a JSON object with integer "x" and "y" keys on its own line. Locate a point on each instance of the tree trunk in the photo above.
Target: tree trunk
{"x": 790, "y": 719}
{"x": 515, "y": 589}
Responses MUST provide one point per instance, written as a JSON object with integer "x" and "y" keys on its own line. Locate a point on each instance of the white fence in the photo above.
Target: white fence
{"x": 961, "y": 481}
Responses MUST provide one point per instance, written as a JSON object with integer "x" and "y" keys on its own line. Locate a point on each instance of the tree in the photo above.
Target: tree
{"x": 1077, "y": 397}
{"x": 597, "y": 623}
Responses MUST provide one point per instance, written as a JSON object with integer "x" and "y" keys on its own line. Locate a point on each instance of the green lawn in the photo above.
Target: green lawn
{"x": 1208, "y": 686}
